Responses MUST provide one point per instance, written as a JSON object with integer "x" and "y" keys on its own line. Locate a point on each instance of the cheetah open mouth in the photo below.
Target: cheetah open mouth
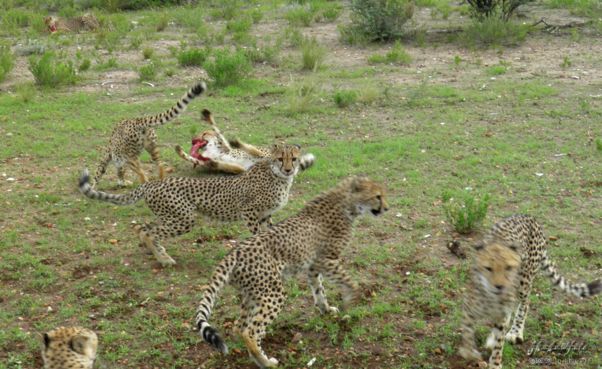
{"x": 197, "y": 145}
{"x": 377, "y": 212}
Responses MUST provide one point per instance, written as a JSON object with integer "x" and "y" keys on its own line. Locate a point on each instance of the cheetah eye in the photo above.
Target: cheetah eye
{"x": 489, "y": 269}
{"x": 294, "y": 160}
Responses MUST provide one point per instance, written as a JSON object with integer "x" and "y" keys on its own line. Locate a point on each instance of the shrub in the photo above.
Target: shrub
{"x": 147, "y": 53}
{"x": 312, "y": 54}
{"x": 85, "y": 65}
{"x": 344, "y": 98}
{"x": 48, "y": 71}
{"x": 502, "y": 9}
{"x": 227, "y": 67}
{"x": 493, "y": 31}
{"x": 262, "y": 54}
{"x": 6, "y": 61}
{"x": 193, "y": 57}
{"x": 397, "y": 55}
{"x": 381, "y": 20}
{"x": 148, "y": 72}
{"x": 465, "y": 211}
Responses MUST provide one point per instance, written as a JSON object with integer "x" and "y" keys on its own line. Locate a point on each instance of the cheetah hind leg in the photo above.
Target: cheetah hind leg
{"x": 121, "y": 181}
{"x": 151, "y": 243}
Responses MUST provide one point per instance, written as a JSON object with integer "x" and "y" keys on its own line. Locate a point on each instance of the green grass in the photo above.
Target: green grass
{"x": 48, "y": 71}
{"x": 7, "y": 62}
{"x": 148, "y": 72}
{"x": 312, "y": 54}
{"x": 397, "y": 55}
{"x": 440, "y": 123}
{"x": 193, "y": 57}
{"x": 493, "y": 31}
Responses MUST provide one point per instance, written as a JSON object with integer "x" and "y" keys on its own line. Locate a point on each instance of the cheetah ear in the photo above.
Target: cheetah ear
{"x": 46, "y": 340}
{"x": 297, "y": 146}
{"x": 78, "y": 344}
{"x": 357, "y": 184}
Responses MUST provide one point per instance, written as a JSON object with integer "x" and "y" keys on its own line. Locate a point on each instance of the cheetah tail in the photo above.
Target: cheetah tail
{"x": 307, "y": 161}
{"x": 203, "y": 313}
{"x": 577, "y": 289}
{"x": 126, "y": 199}
{"x": 173, "y": 112}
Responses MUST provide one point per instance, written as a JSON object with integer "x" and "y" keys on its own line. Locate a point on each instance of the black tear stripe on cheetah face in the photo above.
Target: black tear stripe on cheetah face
{"x": 69, "y": 348}
{"x": 310, "y": 242}
{"x": 131, "y": 136}
{"x": 252, "y": 196}
{"x": 506, "y": 263}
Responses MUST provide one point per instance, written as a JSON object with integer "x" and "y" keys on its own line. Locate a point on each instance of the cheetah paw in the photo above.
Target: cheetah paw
{"x": 490, "y": 343}
{"x": 333, "y": 310}
{"x": 272, "y": 362}
{"x": 167, "y": 261}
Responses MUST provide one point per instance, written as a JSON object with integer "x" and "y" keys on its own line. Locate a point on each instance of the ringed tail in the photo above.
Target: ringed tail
{"x": 577, "y": 289}
{"x": 180, "y": 106}
{"x": 203, "y": 313}
{"x": 307, "y": 160}
{"x": 122, "y": 199}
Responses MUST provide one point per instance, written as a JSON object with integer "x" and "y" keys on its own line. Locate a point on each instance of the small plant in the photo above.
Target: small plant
{"x": 300, "y": 16}
{"x": 162, "y": 23}
{"x": 85, "y": 65}
{"x": 294, "y": 36}
{"x": 262, "y": 54}
{"x": 312, "y": 54}
{"x": 566, "y": 62}
{"x": 381, "y": 20}
{"x": 345, "y": 98}
{"x": 6, "y": 61}
{"x": 135, "y": 43}
{"x": 302, "y": 98}
{"x": 457, "y": 61}
{"x": 496, "y": 70}
{"x": 110, "y": 63}
{"x": 50, "y": 72}
{"x": 148, "y": 72}
{"x": 147, "y": 53}
{"x": 193, "y": 57}
{"x": 25, "y": 92}
{"x": 465, "y": 211}
{"x": 397, "y": 55}
{"x": 240, "y": 25}
{"x": 599, "y": 144}
{"x": 227, "y": 67}
{"x": 494, "y": 32}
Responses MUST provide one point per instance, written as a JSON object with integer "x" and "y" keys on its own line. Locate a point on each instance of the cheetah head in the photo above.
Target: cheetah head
{"x": 202, "y": 141}
{"x": 367, "y": 196}
{"x": 285, "y": 160}
{"x": 497, "y": 266}
{"x": 70, "y": 345}
{"x": 50, "y": 22}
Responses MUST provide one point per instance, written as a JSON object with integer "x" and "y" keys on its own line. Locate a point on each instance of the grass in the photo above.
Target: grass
{"x": 148, "y": 53}
{"x": 193, "y": 57}
{"x": 312, "y": 54}
{"x": 148, "y": 72}
{"x": 228, "y": 67}
{"x": 49, "y": 72}
{"x": 441, "y": 123}
{"x": 464, "y": 210}
{"x": 397, "y": 55}
{"x": 493, "y": 31}
{"x": 7, "y": 62}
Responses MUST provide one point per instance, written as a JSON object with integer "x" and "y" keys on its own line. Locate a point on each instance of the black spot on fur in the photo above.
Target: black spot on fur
{"x": 46, "y": 340}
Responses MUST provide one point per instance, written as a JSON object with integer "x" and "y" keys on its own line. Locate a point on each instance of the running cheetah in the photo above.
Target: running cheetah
{"x": 310, "y": 243}
{"x": 506, "y": 263}
{"x": 131, "y": 136}
{"x": 252, "y": 196}
{"x": 69, "y": 348}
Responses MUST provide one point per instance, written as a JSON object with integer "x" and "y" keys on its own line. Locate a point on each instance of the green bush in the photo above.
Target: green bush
{"x": 381, "y": 20}
{"x": 85, "y": 65}
{"x": 49, "y": 71}
{"x": 599, "y": 144}
{"x": 148, "y": 72}
{"x": 494, "y": 32}
{"x": 228, "y": 67}
{"x": 312, "y": 54}
{"x": 193, "y": 57}
{"x": 147, "y": 53}
{"x": 345, "y": 98}
{"x": 464, "y": 210}
{"x": 397, "y": 55}
{"x": 7, "y": 61}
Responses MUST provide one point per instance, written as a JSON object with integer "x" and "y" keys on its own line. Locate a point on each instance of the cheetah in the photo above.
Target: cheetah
{"x": 252, "y": 196}
{"x": 131, "y": 136}
{"x": 226, "y": 156}
{"x": 86, "y": 22}
{"x": 310, "y": 243}
{"x": 505, "y": 265}
{"x": 69, "y": 348}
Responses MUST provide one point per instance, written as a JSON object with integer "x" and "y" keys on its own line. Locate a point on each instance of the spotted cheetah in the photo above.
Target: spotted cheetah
{"x": 226, "y": 156}
{"x": 310, "y": 243}
{"x": 252, "y": 196}
{"x": 506, "y": 263}
{"x": 131, "y": 136}
{"x": 69, "y": 348}
{"x": 86, "y": 22}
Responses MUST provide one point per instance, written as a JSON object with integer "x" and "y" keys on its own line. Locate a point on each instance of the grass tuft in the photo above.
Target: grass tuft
{"x": 228, "y": 67}
{"x": 48, "y": 71}
{"x": 312, "y": 54}
{"x": 493, "y": 31}
{"x": 397, "y": 55}
{"x": 345, "y": 98}
{"x": 193, "y": 57}
{"x": 464, "y": 210}
{"x": 7, "y": 61}
{"x": 148, "y": 72}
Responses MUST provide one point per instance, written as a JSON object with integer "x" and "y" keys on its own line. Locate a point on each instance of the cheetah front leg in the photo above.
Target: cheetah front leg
{"x": 317, "y": 289}
{"x": 121, "y": 181}
{"x": 101, "y": 170}
{"x": 134, "y": 164}
{"x": 468, "y": 349}
{"x": 495, "y": 342}
{"x": 150, "y": 145}
{"x": 332, "y": 270}
{"x": 515, "y": 334}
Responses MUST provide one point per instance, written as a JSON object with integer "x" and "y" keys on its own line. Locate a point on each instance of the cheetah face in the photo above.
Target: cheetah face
{"x": 368, "y": 196}
{"x": 50, "y": 22}
{"x": 70, "y": 344}
{"x": 285, "y": 160}
{"x": 497, "y": 267}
